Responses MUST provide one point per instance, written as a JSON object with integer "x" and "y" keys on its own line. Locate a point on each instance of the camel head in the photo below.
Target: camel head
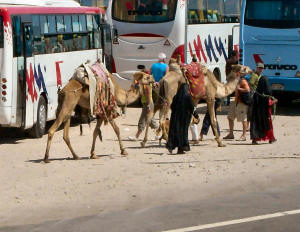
{"x": 239, "y": 70}
{"x": 141, "y": 78}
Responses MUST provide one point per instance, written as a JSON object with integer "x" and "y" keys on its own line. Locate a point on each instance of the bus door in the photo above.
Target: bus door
{"x": 107, "y": 47}
{"x": 29, "y": 93}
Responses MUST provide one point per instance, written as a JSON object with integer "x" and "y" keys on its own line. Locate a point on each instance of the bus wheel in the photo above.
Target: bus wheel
{"x": 38, "y": 130}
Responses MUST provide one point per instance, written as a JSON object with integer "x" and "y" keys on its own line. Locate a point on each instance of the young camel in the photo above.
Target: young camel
{"x": 213, "y": 89}
{"x": 76, "y": 93}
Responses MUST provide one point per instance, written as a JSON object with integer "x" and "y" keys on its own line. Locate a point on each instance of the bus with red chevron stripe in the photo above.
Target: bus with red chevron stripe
{"x": 144, "y": 28}
{"x": 40, "y": 47}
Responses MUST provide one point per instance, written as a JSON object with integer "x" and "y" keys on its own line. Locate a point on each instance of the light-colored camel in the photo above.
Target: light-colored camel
{"x": 213, "y": 89}
{"x": 76, "y": 93}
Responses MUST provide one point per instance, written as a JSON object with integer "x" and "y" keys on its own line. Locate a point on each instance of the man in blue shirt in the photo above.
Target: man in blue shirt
{"x": 159, "y": 69}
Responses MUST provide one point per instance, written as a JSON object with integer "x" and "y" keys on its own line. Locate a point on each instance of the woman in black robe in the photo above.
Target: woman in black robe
{"x": 182, "y": 109}
{"x": 261, "y": 127}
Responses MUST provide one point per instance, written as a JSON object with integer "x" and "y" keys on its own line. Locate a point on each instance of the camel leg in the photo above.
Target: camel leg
{"x": 148, "y": 121}
{"x": 95, "y": 134}
{"x": 211, "y": 110}
{"x": 67, "y": 138}
{"x": 117, "y": 131}
{"x": 51, "y": 132}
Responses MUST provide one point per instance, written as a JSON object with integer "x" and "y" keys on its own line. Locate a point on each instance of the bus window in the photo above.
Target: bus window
{"x": 144, "y": 11}
{"x": 17, "y": 37}
{"x": 197, "y": 11}
{"x": 89, "y": 22}
{"x": 82, "y": 23}
{"x": 44, "y": 24}
{"x": 68, "y": 42}
{"x": 232, "y": 11}
{"x": 273, "y": 13}
{"x": 60, "y": 23}
{"x": 75, "y": 23}
{"x": 68, "y": 23}
{"x": 214, "y": 10}
{"x": 1, "y": 32}
{"x": 52, "y": 24}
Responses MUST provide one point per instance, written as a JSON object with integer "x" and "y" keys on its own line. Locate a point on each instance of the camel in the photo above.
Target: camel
{"x": 76, "y": 93}
{"x": 213, "y": 89}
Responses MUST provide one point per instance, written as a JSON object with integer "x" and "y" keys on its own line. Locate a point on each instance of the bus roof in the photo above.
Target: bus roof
{"x": 50, "y": 10}
{"x": 56, "y": 3}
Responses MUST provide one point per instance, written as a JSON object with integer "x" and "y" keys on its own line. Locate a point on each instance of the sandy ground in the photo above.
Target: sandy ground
{"x": 34, "y": 192}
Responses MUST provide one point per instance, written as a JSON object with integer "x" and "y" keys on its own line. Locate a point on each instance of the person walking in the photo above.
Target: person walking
{"x": 261, "y": 127}
{"x": 253, "y": 81}
{"x": 182, "y": 109}
{"x": 207, "y": 122}
{"x": 238, "y": 110}
{"x": 160, "y": 68}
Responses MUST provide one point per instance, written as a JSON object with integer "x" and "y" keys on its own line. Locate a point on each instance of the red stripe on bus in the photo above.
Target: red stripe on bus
{"x": 141, "y": 35}
{"x": 52, "y": 10}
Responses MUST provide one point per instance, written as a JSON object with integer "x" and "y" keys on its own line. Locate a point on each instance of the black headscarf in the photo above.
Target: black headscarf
{"x": 182, "y": 108}
{"x": 260, "y": 114}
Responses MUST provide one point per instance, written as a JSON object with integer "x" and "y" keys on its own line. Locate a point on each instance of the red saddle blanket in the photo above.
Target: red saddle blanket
{"x": 195, "y": 77}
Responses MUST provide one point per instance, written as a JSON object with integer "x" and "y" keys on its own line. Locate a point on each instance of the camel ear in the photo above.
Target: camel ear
{"x": 138, "y": 75}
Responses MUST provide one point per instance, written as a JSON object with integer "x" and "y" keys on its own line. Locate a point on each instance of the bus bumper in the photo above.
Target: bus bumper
{"x": 285, "y": 84}
{"x": 5, "y": 116}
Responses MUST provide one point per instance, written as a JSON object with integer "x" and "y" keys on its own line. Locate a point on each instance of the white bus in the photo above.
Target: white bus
{"x": 40, "y": 47}
{"x": 143, "y": 28}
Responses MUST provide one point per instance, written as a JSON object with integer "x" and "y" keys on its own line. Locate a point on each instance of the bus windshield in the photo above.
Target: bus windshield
{"x": 144, "y": 11}
{"x": 273, "y": 13}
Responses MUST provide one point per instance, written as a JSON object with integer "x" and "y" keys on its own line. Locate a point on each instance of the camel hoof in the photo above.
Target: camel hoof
{"x": 94, "y": 157}
{"x": 46, "y": 161}
{"x": 143, "y": 144}
{"x": 76, "y": 157}
{"x": 221, "y": 145}
{"x": 124, "y": 152}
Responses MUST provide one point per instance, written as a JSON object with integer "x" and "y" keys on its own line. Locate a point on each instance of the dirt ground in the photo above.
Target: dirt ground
{"x": 34, "y": 192}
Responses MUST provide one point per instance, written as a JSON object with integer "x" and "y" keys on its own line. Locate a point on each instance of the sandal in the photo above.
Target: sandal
{"x": 228, "y": 137}
{"x": 254, "y": 142}
{"x": 242, "y": 138}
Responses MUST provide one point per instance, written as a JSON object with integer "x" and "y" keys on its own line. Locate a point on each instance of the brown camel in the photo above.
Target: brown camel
{"x": 76, "y": 93}
{"x": 214, "y": 89}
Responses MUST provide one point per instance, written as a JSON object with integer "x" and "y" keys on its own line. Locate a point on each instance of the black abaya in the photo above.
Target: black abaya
{"x": 182, "y": 108}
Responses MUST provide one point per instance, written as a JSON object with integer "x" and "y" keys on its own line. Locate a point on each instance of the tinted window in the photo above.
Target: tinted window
{"x": 44, "y": 24}
{"x": 17, "y": 36}
{"x": 213, "y": 11}
{"x": 52, "y": 24}
{"x": 273, "y": 13}
{"x": 144, "y": 11}
{"x": 68, "y": 23}
{"x": 75, "y": 23}
{"x": 60, "y": 23}
{"x": 82, "y": 23}
{"x": 89, "y": 22}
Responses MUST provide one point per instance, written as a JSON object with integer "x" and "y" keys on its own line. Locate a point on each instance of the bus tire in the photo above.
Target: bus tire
{"x": 39, "y": 128}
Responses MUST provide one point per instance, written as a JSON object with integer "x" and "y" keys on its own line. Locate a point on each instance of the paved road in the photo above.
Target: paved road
{"x": 283, "y": 197}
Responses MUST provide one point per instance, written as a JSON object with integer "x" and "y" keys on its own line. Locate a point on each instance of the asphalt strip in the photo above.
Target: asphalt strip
{"x": 236, "y": 221}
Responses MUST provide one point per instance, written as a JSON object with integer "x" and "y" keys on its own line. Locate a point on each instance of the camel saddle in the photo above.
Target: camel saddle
{"x": 101, "y": 89}
{"x": 195, "y": 75}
